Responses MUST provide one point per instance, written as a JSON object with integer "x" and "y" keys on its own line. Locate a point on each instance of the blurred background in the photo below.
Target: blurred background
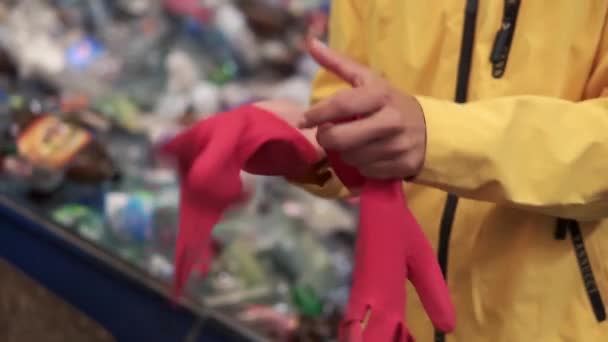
{"x": 88, "y": 214}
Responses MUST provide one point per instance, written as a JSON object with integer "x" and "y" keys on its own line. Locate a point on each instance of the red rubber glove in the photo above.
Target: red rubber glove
{"x": 390, "y": 245}
{"x": 210, "y": 157}
{"x": 391, "y": 248}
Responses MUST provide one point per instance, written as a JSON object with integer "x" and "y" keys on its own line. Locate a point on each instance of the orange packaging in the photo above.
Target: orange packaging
{"x": 51, "y": 143}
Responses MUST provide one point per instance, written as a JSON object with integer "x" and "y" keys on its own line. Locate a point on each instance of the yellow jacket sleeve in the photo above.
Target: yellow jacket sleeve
{"x": 544, "y": 154}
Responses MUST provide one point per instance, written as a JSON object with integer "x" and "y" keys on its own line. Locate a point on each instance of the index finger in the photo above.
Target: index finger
{"x": 338, "y": 64}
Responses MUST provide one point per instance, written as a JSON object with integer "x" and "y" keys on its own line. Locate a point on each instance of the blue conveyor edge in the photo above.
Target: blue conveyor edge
{"x": 129, "y": 304}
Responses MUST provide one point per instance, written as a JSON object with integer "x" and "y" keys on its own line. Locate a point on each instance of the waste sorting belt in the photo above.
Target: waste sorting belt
{"x": 128, "y": 304}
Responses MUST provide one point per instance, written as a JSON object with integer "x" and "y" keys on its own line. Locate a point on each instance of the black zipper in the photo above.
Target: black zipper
{"x": 462, "y": 87}
{"x": 564, "y": 227}
{"x": 504, "y": 38}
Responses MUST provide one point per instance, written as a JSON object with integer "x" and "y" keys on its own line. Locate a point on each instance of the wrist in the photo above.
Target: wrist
{"x": 417, "y": 135}
{"x": 424, "y": 130}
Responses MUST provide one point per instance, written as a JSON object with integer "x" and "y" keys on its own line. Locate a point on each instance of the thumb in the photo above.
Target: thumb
{"x": 343, "y": 67}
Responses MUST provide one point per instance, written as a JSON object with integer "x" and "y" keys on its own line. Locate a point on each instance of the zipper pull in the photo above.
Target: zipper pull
{"x": 500, "y": 43}
{"x": 504, "y": 37}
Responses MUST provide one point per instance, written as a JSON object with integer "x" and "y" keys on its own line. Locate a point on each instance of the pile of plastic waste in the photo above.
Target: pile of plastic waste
{"x": 89, "y": 87}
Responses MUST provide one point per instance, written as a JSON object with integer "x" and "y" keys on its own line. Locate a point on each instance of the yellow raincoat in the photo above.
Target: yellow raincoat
{"x": 529, "y": 146}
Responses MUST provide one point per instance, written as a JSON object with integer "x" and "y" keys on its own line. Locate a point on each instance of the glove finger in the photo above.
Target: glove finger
{"x": 425, "y": 274}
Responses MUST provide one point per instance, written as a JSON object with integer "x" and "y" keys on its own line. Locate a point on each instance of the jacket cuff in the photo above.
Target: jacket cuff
{"x": 449, "y": 143}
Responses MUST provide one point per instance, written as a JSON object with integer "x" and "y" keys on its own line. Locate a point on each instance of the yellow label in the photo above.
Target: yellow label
{"x": 51, "y": 143}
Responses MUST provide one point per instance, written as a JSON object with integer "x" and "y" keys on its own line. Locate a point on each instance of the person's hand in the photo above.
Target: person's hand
{"x": 388, "y": 138}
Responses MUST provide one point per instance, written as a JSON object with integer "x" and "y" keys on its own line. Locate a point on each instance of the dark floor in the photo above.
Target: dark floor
{"x": 30, "y": 313}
